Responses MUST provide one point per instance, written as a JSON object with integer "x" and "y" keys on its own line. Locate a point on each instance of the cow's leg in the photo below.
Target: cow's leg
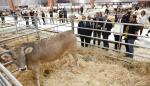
{"x": 36, "y": 74}
{"x": 75, "y": 58}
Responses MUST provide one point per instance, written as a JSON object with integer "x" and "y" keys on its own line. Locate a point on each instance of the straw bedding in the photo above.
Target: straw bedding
{"x": 97, "y": 67}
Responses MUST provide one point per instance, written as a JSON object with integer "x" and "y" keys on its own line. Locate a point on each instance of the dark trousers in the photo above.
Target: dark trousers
{"x": 148, "y": 32}
{"x": 27, "y": 23}
{"x": 106, "y": 43}
{"x": 97, "y": 34}
{"x": 117, "y": 38}
{"x": 3, "y": 20}
{"x": 43, "y": 21}
{"x": 85, "y": 41}
{"x": 127, "y": 46}
{"x": 130, "y": 48}
{"x": 141, "y": 30}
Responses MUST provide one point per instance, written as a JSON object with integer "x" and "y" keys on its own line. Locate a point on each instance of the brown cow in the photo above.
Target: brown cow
{"x": 45, "y": 50}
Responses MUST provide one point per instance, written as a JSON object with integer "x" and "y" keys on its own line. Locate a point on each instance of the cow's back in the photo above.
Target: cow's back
{"x": 53, "y": 48}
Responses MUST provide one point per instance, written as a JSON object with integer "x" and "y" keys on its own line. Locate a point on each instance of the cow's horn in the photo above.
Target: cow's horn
{"x": 28, "y": 50}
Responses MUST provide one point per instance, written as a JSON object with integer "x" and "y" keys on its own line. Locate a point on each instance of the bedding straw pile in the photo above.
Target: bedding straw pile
{"x": 97, "y": 67}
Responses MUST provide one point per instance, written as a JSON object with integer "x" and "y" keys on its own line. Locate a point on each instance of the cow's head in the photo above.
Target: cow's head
{"x": 19, "y": 56}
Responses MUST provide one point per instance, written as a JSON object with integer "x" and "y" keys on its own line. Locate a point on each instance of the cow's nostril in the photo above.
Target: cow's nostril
{"x": 23, "y": 69}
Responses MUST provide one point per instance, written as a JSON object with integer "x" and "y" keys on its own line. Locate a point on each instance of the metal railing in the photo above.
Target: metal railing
{"x": 7, "y": 79}
{"x": 72, "y": 26}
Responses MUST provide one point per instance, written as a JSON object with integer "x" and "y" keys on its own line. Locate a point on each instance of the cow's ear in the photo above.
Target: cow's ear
{"x": 5, "y": 56}
{"x": 28, "y": 50}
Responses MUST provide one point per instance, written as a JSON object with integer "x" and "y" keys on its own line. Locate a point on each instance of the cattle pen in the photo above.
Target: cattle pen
{"x": 98, "y": 67}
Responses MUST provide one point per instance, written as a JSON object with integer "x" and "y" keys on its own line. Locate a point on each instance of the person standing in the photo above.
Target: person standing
{"x": 82, "y": 30}
{"x": 81, "y": 9}
{"x": 43, "y": 17}
{"x": 98, "y": 26}
{"x": 125, "y": 19}
{"x": 106, "y": 27}
{"x": 148, "y": 30}
{"x": 142, "y": 20}
{"x": 51, "y": 16}
{"x": 26, "y": 17}
{"x": 3, "y": 17}
{"x": 131, "y": 36}
{"x": 14, "y": 14}
{"x": 32, "y": 14}
{"x": 60, "y": 16}
{"x": 65, "y": 15}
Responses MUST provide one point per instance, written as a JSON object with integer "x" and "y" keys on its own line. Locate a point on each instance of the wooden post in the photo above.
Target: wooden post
{"x": 51, "y": 3}
{"x": 91, "y": 3}
{"x": 11, "y": 5}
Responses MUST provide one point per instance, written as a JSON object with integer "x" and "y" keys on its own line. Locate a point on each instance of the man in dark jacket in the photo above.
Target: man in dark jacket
{"x": 81, "y": 9}
{"x": 148, "y": 30}
{"x": 2, "y": 17}
{"x": 65, "y": 15}
{"x": 130, "y": 38}
{"x": 83, "y": 31}
{"x": 51, "y": 16}
{"x": 98, "y": 25}
{"x": 43, "y": 18}
{"x": 32, "y": 17}
{"x": 61, "y": 16}
{"x": 106, "y": 27}
{"x": 26, "y": 17}
{"x": 125, "y": 19}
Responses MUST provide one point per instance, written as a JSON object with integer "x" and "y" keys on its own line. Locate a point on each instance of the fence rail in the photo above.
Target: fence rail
{"x": 72, "y": 22}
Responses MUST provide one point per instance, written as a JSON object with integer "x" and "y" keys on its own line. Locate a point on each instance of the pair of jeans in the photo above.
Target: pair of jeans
{"x": 130, "y": 48}
{"x": 98, "y": 35}
{"x": 117, "y": 38}
{"x": 106, "y": 43}
{"x": 85, "y": 41}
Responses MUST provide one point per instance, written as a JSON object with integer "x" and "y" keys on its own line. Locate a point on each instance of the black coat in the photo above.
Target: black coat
{"x": 65, "y": 13}
{"x": 60, "y": 14}
{"x": 85, "y": 31}
{"x": 132, "y": 30}
{"x": 125, "y": 19}
{"x": 51, "y": 13}
{"x": 43, "y": 14}
{"x": 109, "y": 27}
{"x": 100, "y": 24}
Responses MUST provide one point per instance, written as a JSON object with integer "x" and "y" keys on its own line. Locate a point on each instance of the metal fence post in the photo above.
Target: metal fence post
{"x": 72, "y": 22}
{"x": 36, "y": 26}
{"x": 10, "y": 76}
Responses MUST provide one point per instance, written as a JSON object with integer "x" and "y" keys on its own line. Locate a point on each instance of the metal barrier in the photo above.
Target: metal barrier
{"x": 72, "y": 21}
{"x": 37, "y": 29}
{"x": 7, "y": 79}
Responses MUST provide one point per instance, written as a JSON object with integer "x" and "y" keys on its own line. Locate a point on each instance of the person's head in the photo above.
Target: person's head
{"x": 143, "y": 13}
{"x": 89, "y": 18}
{"x": 106, "y": 17}
{"x": 129, "y": 12}
{"x": 83, "y": 17}
{"x": 100, "y": 14}
{"x": 97, "y": 14}
{"x": 132, "y": 18}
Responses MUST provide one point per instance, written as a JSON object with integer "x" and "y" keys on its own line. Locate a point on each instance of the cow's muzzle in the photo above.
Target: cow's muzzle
{"x": 23, "y": 69}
